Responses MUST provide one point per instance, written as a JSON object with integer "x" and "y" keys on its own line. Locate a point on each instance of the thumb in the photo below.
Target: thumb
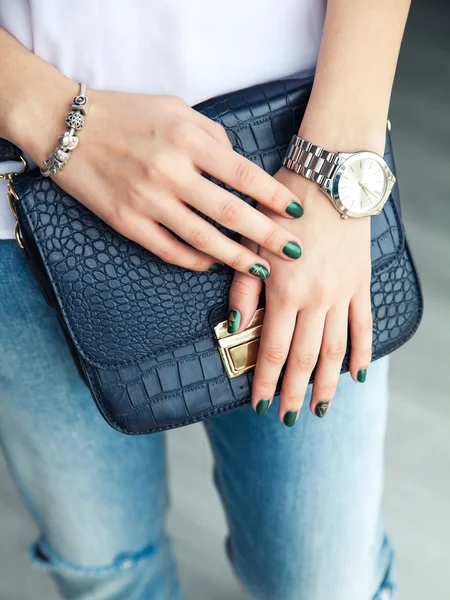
{"x": 244, "y": 296}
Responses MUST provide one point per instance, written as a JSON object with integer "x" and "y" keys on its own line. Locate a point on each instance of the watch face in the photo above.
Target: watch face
{"x": 362, "y": 183}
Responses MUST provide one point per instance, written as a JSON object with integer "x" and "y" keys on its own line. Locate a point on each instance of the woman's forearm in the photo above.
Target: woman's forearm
{"x": 33, "y": 95}
{"x": 311, "y": 308}
{"x": 349, "y": 103}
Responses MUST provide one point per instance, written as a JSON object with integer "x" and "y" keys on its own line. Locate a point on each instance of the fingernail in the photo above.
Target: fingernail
{"x": 290, "y": 418}
{"x": 262, "y": 407}
{"x": 259, "y": 271}
{"x": 292, "y": 250}
{"x": 362, "y": 374}
{"x": 294, "y": 209}
{"x": 234, "y": 320}
{"x": 321, "y": 409}
{"x": 216, "y": 267}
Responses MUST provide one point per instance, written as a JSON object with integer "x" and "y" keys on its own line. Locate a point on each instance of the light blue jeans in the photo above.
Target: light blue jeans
{"x": 303, "y": 504}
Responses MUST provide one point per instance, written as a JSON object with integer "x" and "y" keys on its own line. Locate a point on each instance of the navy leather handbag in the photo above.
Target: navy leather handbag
{"x": 147, "y": 336}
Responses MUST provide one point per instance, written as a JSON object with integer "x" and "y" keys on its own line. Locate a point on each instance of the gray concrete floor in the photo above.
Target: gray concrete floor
{"x": 418, "y": 444}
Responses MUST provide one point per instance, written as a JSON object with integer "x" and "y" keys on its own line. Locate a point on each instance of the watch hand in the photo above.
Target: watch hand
{"x": 366, "y": 190}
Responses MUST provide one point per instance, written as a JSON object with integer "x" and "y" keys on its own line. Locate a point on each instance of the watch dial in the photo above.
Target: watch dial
{"x": 362, "y": 185}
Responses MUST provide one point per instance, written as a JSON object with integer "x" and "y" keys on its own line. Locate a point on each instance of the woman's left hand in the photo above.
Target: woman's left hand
{"x": 310, "y": 303}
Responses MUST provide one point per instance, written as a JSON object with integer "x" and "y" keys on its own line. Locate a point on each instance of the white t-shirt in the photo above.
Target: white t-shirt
{"x": 195, "y": 49}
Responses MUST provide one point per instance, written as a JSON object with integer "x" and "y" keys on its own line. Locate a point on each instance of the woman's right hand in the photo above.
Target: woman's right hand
{"x": 138, "y": 166}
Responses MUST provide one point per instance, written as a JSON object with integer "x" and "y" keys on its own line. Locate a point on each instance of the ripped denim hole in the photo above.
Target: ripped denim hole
{"x": 388, "y": 587}
{"x": 386, "y": 593}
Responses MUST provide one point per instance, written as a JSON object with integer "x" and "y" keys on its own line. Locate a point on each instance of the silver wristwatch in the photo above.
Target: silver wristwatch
{"x": 358, "y": 184}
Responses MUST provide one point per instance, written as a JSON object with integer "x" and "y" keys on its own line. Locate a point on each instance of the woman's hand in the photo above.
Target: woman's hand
{"x": 309, "y": 306}
{"x": 138, "y": 166}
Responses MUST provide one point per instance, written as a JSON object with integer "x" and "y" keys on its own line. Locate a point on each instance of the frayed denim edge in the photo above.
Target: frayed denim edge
{"x": 43, "y": 557}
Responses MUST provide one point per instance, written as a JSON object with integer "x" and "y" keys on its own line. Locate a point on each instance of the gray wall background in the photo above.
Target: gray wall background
{"x": 418, "y": 443}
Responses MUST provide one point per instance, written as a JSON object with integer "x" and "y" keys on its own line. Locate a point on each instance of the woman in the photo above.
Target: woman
{"x": 304, "y": 506}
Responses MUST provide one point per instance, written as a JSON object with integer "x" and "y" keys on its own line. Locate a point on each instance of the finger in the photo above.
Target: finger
{"x": 303, "y": 357}
{"x": 245, "y": 176}
{"x": 212, "y": 128}
{"x": 235, "y": 214}
{"x": 159, "y": 241}
{"x": 360, "y": 320}
{"x": 244, "y": 296}
{"x": 205, "y": 237}
{"x": 276, "y": 336}
{"x": 332, "y": 352}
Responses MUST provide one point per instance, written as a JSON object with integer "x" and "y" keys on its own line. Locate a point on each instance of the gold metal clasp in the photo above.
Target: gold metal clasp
{"x": 18, "y": 236}
{"x": 13, "y": 197}
{"x": 239, "y": 351}
{"x": 9, "y": 176}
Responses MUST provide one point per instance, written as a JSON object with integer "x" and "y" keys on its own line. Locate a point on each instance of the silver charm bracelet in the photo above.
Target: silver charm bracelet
{"x": 68, "y": 141}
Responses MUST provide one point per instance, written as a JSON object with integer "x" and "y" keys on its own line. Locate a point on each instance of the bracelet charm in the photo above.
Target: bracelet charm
{"x": 75, "y": 119}
{"x": 68, "y": 141}
{"x": 81, "y": 102}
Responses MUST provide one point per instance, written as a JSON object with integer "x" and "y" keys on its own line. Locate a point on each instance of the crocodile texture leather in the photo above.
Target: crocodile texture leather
{"x": 8, "y": 151}
{"x": 141, "y": 330}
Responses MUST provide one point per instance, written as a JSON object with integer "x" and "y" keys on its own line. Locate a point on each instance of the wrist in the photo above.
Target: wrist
{"x": 353, "y": 180}
{"x": 303, "y": 188}
{"x": 36, "y": 120}
{"x": 345, "y": 136}
{"x": 339, "y": 128}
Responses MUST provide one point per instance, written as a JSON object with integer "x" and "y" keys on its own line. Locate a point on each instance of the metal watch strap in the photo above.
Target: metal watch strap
{"x": 313, "y": 162}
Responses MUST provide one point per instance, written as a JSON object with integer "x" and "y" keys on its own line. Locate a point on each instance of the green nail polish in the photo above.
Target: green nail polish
{"x": 292, "y": 250}
{"x": 234, "y": 320}
{"x": 216, "y": 267}
{"x": 294, "y": 209}
{"x": 262, "y": 407}
{"x": 321, "y": 409}
{"x": 362, "y": 374}
{"x": 290, "y": 418}
{"x": 259, "y": 271}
